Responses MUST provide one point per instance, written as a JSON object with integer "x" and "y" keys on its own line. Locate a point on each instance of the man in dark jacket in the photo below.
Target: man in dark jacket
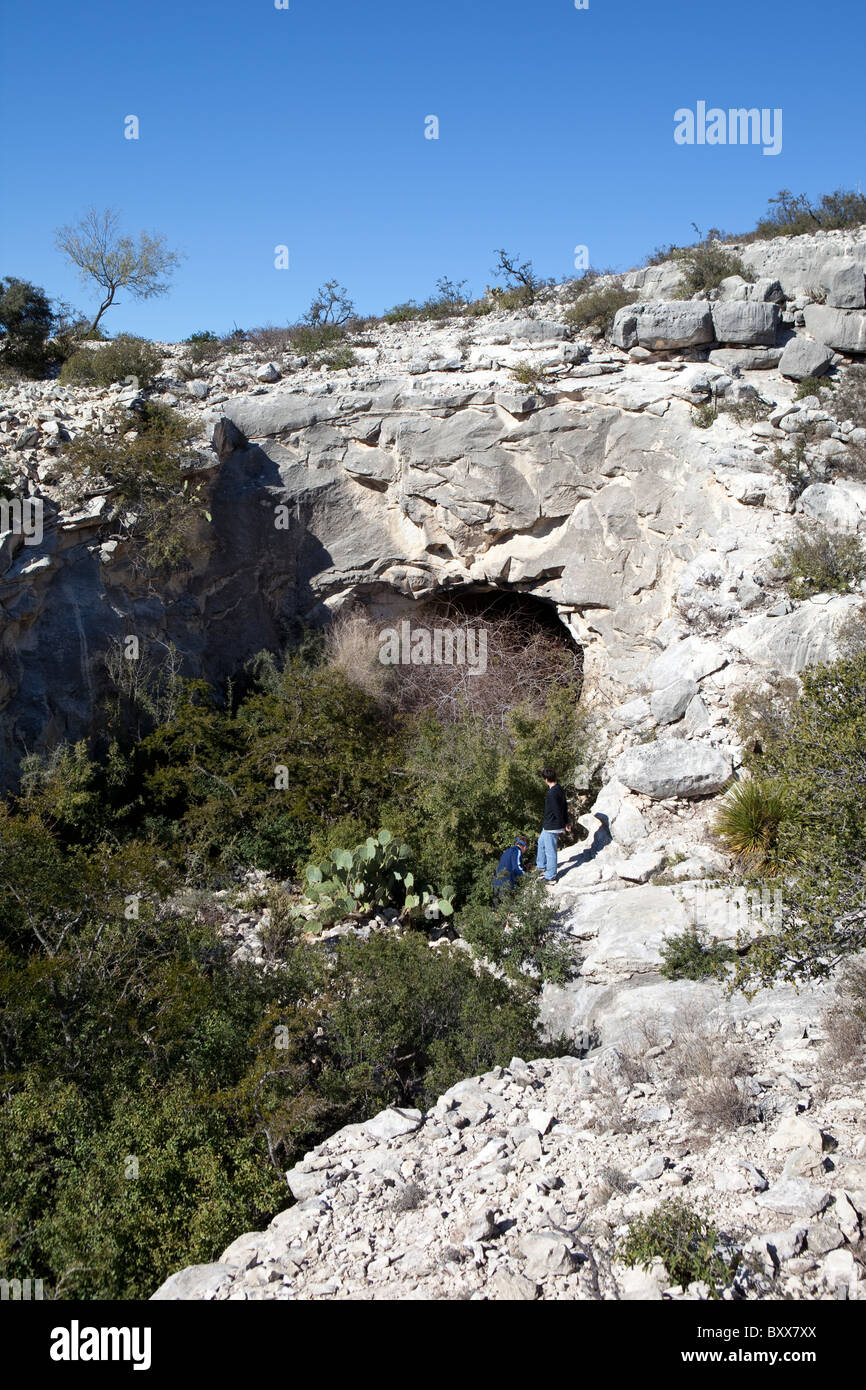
{"x": 509, "y": 869}
{"x": 555, "y": 822}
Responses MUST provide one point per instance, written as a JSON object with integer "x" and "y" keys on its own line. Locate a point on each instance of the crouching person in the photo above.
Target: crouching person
{"x": 509, "y": 869}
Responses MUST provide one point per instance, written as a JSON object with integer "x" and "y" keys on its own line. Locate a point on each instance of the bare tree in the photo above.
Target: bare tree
{"x": 115, "y": 262}
{"x": 331, "y": 305}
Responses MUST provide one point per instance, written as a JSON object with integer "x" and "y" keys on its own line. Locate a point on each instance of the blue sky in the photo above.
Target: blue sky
{"x": 305, "y": 127}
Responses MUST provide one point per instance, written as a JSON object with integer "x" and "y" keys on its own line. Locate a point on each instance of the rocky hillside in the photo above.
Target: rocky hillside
{"x": 522, "y": 1183}
{"x": 640, "y": 487}
{"x": 427, "y": 468}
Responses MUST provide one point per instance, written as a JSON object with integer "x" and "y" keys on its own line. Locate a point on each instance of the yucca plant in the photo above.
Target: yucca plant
{"x": 748, "y": 822}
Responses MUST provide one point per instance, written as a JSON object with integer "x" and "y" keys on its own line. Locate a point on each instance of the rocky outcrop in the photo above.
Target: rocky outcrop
{"x": 427, "y": 469}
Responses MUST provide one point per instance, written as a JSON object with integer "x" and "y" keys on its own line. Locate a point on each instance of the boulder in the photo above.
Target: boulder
{"x": 841, "y": 329}
{"x": 844, "y": 283}
{"x": 794, "y": 1197}
{"x": 623, "y": 333}
{"x": 738, "y": 321}
{"x": 670, "y": 704}
{"x": 641, "y": 867}
{"x": 690, "y": 658}
{"x": 196, "y": 1281}
{"x": 674, "y": 324}
{"x": 673, "y": 767}
{"x": 803, "y": 357}
{"x": 747, "y": 359}
{"x": 540, "y": 331}
{"x": 546, "y": 1253}
{"x": 835, "y": 505}
{"x": 391, "y": 1123}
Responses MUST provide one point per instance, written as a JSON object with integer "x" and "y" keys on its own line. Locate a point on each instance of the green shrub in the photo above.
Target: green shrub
{"x": 704, "y": 416}
{"x": 122, "y": 357}
{"x": 795, "y": 466}
{"x": 449, "y": 302}
{"x": 310, "y": 340}
{"x": 795, "y": 214}
{"x": 686, "y": 1241}
{"x": 527, "y": 375}
{"x": 819, "y": 561}
{"x": 812, "y": 386}
{"x": 817, "y": 763}
{"x": 26, "y": 322}
{"x": 340, "y": 360}
{"x": 202, "y": 349}
{"x": 156, "y": 1089}
{"x": 157, "y": 504}
{"x": 690, "y": 955}
{"x": 748, "y": 821}
{"x": 518, "y": 935}
{"x": 706, "y": 265}
{"x": 598, "y": 308}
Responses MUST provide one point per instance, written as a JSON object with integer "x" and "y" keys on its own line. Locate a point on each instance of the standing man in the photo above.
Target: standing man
{"x": 555, "y": 822}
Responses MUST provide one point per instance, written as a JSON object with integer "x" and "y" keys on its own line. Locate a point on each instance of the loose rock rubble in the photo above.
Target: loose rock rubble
{"x": 518, "y": 1185}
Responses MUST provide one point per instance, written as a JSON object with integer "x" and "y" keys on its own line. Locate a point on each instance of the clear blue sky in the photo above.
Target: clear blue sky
{"x": 305, "y": 127}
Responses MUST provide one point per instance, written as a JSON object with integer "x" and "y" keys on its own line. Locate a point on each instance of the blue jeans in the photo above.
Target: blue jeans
{"x": 545, "y": 859}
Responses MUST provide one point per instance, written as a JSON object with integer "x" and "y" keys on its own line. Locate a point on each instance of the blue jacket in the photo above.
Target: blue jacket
{"x": 509, "y": 869}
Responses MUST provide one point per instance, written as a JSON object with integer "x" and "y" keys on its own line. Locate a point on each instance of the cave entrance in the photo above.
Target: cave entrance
{"x": 474, "y": 649}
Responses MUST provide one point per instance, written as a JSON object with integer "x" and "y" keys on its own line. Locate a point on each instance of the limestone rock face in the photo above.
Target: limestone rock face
{"x": 427, "y": 469}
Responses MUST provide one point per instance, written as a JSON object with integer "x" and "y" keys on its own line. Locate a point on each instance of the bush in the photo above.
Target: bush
{"x": 522, "y": 285}
{"x": 706, "y": 265}
{"x": 157, "y": 504}
{"x": 795, "y": 214}
{"x": 690, "y": 955}
{"x": 519, "y": 935}
{"x": 311, "y": 340}
{"x": 844, "y": 1024}
{"x": 342, "y": 359}
{"x": 373, "y": 875}
{"x": 470, "y": 787}
{"x": 818, "y": 561}
{"x": 531, "y": 377}
{"x": 851, "y": 635}
{"x": 125, "y": 356}
{"x": 762, "y": 713}
{"x": 156, "y": 1089}
{"x": 704, "y": 416}
{"x": 597, "y": 309}
{"x": 812, "y": 386}
{"x": 818, "y": 766}
{"x": 748, "y": 822}
{"x": 202, "y": 349}
{"x": 449, "y": 302}
{"x": 686, "y": 1241}
{"x": 26, "y": 322}
{"x": 795, "y": 466}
